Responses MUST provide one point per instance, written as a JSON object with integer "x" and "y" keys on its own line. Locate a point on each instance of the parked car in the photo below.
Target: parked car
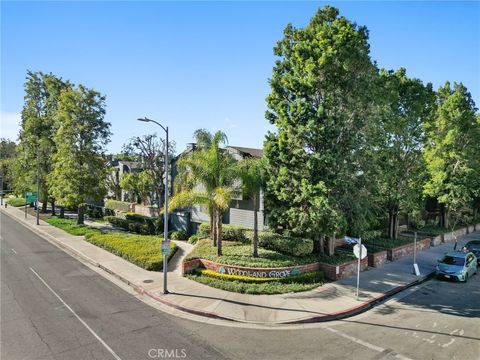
{"x": 474, "y": 247}
{"x": 457, "y": 265}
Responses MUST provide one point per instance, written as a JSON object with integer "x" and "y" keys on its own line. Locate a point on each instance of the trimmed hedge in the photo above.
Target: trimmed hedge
{"x": 285, "y": 245}
{"x": 193, "y": 239}
{"x": 71, "y": 226}
{"x": 155, "y": 224}
{"x": 117, "y": 205}
{"x": 144, "y": 251}
{"x": 178, "y": 235}
{"x": 229, "y": 232}
{"x": 137, "y": 223}
{"x": 304, "y": 278}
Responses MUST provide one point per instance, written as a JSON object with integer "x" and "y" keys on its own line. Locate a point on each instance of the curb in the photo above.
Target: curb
{"x": 210, "y": 315}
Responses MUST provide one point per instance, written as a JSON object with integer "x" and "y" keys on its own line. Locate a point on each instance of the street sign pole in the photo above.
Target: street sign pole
{"x": 358, "y": 266}
{"x": 25, "y": 205}
{"x": 38, "y": 188}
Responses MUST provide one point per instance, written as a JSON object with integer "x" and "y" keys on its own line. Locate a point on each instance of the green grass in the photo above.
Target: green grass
{"x": 70, "y": 226}
{"x": 240, "y": 254}
{"x": 16, "y": 202}
{"x": 272, "y": 287}
{"x": 141, "y": 250}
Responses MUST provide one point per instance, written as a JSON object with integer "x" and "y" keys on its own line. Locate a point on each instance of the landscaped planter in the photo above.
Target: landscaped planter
{"x": 280, "y": 272}
{"x": 342, "y": 271}
{"x": 407, "y": 249}
{"x": 376, "y": 259}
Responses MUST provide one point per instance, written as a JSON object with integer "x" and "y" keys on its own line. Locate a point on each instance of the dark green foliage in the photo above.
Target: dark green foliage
{"x": 117, "y": 205}
{"x": 203, "y": 230}
{"x": 193, "y": 239}
{"x": 178, "y": 235}
{"x": 285, "y": 245}
{"x": 144, "y": 251}
{"x": 131, "y": 225}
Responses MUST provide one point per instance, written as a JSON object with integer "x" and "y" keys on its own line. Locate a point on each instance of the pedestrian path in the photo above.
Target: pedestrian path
{"x": 331, "y": 301}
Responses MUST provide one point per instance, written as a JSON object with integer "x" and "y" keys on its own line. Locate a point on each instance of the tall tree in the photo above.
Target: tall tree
{"x": 452, "y": 152}
{"x": 38, "y": 126}
{"x": 79, "y": 170}
{"x": 207, "y": 176}
{"x": 7, "y": 156}
{"x": 150, "y": 149}
{"x": 406, "y": 104}
{"x": 140, "y": 186}
{"x": 320, "y": 102}
{"x": 252, "y": 178}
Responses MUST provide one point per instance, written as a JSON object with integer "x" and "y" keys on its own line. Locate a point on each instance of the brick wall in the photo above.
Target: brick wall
{"x": 342, "y": 271}
{"x": 407, "y": 250}
{"x": 377, "y": 259}
{"x": 144, "y": 210}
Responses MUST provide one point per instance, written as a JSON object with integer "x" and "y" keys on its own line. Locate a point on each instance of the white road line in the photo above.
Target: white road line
{"x": 366, "y": 344}
{"x": 13, "y": 250}
{"x": 79, "y": 318}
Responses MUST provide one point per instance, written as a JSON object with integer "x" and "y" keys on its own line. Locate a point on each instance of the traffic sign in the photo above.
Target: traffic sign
{"x": 166, "y": 247}
{"x": 31, "y": 196}
{"x": 356, "y": 251}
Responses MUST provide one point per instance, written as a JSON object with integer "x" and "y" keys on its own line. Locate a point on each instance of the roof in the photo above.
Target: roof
{"x": 132, "y": 164}
{"x": 256, "y": 153}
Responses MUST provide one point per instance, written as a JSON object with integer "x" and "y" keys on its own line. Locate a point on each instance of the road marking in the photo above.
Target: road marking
{"x": 366, "y": 344}
{"x": 13, "y": 250}
{"x": 78, "y": 317}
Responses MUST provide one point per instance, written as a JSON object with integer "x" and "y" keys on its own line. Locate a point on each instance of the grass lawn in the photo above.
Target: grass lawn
{"x": 267, "y": 287}
{"x": 141, "y": 250}
{"x": 16, "y": 201}
{"x": 70, "y": 226}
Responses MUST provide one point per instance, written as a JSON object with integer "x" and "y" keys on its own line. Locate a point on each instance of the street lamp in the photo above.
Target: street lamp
{"x": 165, "y": 243}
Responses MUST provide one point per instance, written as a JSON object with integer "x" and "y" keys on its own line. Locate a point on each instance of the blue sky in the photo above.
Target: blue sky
{"x": 206, "y": 65}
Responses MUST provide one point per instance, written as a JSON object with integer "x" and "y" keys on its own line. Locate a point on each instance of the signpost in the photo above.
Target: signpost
{"x": 30, "y": 196}
{"x": 166, "y": 247}
{"x": 360, "y": 252}
{"x": 416, "y": 270}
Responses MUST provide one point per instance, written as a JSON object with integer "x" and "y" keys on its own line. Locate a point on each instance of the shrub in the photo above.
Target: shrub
{"x": 203, "y": 230}
{"x": 234, "y": 233}
{"x": 130, "y": 225}
{"x": 284, "y": 244}
{"x": 117, "y": 205}
{"x": 94, "y": 212}
{"x": 16, "y": 202}
{"x": 155, "y": 224}
{"x": 193, "y": 239}
{"x": 144, "y": 251}
{"x": 178, "y": 235}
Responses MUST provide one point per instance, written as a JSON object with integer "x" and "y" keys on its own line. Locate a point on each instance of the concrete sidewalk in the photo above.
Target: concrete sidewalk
{"x": 329, "y": 302}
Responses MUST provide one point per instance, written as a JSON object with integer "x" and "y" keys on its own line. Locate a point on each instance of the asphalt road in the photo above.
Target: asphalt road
{"x": 54, "y": 307}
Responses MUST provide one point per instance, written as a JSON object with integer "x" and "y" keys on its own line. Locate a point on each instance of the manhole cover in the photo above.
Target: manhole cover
{"x": 147, "y": 281}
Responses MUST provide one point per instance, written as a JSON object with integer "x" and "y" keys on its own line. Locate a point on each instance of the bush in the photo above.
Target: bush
{"x": 129, "y": 225}
{"x": 94, "y": 212}
{"x": 16, "y": 202}
{"x": 117, "y": 205}
{"x": 155, "y": 224}
{"x": 178, "y": 235}
{"x": 193, "y": 239}
{"x": 234, "y": 233}
{"x": 203, "y": 230}
{"x": 285, "y": 245}
{"x": 71, "y": 226}
{"x": 144, "y": 251}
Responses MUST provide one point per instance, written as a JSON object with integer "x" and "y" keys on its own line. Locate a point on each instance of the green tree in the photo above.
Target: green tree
{"x": 406, "y": 104}
{"x": 7, "y": 156}
{"x": 207, "y": 176}
{"x": 320, "y": 101}
{"x": 252, "y": 177}
{"x": 79, "y": 170}
{"x": 452, "y": 152}
{"x": 37, "y": 131}
{"x": 140, "y": 185}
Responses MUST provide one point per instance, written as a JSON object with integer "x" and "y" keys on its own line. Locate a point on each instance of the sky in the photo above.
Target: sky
{"x": 191, "y": 65}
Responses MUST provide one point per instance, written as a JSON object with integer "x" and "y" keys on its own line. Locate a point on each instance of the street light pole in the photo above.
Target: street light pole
{"x": 166, "y": 251}
{"x": 38, "y": 187}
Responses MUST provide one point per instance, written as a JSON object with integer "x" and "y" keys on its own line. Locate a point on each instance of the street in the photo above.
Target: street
{"x": 55, "y": 307}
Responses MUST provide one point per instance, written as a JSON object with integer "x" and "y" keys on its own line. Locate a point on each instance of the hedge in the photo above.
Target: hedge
{"x": 285, "y": 245}
{"x": 144, "y": 251}
{"x": 16, "y": 202}
{"x": 304, "y": 278}
{"x": 229, "y": 232}
{"x": 155, "y": 224}
{"x": 193, "y": 239}
{"x": 178, "y": 235}
{"x": 117, "y": 205}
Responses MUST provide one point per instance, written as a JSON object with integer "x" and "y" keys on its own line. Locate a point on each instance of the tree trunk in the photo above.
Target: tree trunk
{"x": 44, "y": 206}
{"x": 80, "y": 217}
{"x": 53, "y": 207}
{"x": 322, "y": 245}
{"x": 219, "y": 233}
{"x": 447, "y": 220}
{"x": 442, "y": 216}
{"x": 396, "y": 223}
{"x": 62, "y": 212}
{"x": 392, "y": 224}
{"x": 255, "y": 227}
{"x": 215, "y": 227}
{"x": 212, "y": 226}
{"x": 331, "y": 245}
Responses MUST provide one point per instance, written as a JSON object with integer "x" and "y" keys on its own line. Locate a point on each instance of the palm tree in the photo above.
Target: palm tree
{"x": 206, "y": 176}
{"x": 251, "y": 174}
